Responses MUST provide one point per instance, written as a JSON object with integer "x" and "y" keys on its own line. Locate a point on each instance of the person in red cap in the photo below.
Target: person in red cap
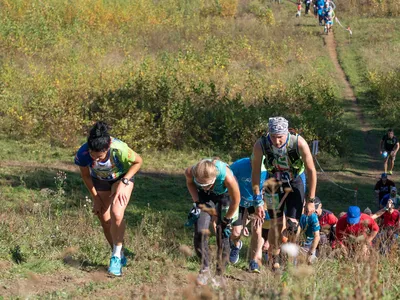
{"x": 355, "y": 224}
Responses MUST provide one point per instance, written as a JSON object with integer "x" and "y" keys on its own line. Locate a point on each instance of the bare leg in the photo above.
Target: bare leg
{"x": 256, "y": 241}
{"x": 385, "y": 163}
{"x": 105, "y": 217}
{"x": 117, "y": 217}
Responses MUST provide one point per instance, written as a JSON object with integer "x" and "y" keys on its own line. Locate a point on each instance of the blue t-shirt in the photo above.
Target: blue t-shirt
{"x": 309, "y": 224}
{"x": 396, "y": 200}
{"x": 242, "y": 171}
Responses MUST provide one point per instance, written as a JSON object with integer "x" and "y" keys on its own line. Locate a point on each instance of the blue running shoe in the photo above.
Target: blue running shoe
{"x": 124, "y": 260}
{"x": 234, "y": 255}
{"x": 115, "y": 267}
{"x": 254, "y": 268}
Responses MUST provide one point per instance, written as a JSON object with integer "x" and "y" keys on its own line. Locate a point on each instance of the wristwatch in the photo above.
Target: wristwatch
{"x": 311, "y": 200}
{"x": 125, "y": 181}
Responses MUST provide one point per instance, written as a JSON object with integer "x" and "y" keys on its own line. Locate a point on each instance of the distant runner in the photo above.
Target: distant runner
{"x": 390, "y": 145}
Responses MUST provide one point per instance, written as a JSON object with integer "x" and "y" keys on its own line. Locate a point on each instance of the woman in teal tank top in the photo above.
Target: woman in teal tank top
{"x": 214, "y": 190}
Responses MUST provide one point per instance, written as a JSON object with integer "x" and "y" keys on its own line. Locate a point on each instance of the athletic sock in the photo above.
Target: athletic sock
{"x": 117, "y": 251}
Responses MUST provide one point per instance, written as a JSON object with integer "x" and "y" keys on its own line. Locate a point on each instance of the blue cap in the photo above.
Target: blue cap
{"x": 353, "y": 215}
{"x": 383, "y": 175}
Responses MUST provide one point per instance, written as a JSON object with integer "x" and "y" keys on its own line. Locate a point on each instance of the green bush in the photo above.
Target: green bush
{"x": 384, "y": 94}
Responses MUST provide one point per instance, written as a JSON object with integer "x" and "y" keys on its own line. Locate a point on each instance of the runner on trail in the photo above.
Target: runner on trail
{"x": 327, "y": 221}
{"x": 392, "y": 196}
{"x": 242, "y": 171}
{"x": 310, "y": 225}
{"x": 298, "y": 13}
{"x": 390, "y": 145}
{"x": 287, "y": 159}
{"x": 307, "y": 4}
{"x": 108, "y": 167}
{"x": 382, "y": 188}
{"x": 329, "y": 15}
{"x": 320, "y": 11}
{"x": 355, "y": 224}
{"x": 215, "y": 191}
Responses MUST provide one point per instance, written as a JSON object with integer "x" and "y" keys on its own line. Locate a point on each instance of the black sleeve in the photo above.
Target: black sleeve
{"x": 384, "y": 138}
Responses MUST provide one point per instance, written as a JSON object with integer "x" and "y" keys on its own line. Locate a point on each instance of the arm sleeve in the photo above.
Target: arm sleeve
{"x": 332, "y": 220}
{"x": 82, "y": 157}
{"x": 127, "y": 154}
{"x": 315, "y": 223}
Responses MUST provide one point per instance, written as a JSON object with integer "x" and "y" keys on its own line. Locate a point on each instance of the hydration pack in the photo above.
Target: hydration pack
{"x": 296, "y": 164}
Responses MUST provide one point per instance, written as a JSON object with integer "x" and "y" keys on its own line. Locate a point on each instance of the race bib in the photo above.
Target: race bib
{"x": 272, "y": 201}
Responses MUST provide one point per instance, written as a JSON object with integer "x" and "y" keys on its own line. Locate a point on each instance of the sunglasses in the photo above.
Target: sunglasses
{"x": 204, "y": 185}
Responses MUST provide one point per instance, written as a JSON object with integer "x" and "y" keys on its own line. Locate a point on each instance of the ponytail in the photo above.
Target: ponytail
{"x": 99, "y": 139}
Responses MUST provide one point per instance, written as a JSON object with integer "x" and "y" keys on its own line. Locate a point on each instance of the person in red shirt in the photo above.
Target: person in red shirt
{"x": 391, "y": 216}
{"x": 390, "y": 226}
{"x": 355, "y": 224}
{"x": 327, "y": 221}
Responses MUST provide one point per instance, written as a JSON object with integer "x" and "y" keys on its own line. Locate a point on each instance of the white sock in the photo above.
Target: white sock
{"x": 117, "y": 251}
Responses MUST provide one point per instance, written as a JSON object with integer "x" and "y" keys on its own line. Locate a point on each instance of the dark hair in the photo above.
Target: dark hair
{"x": 390, "y": 130}
{"x": 99, "y": 139}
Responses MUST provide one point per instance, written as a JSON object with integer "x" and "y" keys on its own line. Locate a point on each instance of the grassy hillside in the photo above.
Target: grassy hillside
{"x": 165, "y": 74}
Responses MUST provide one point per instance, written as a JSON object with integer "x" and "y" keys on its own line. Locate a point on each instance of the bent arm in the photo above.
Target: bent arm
{"x": 315, "y": 242}
{"x": 378, "y": 214}
{"x": 396, "y": 148}
{"x": 87, "y": 179}
{"x": 233, "y": 190}
{"x": 311, "y": 172}
{"x": 191, "y": 185}
{"x": 134, "y": 168}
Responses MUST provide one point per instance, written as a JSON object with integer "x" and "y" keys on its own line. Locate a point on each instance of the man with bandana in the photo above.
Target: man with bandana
{"x": 288, "y": 159}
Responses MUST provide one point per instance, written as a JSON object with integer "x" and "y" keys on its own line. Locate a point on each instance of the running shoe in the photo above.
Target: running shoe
{"x": 254, "y": 268}
{"x": 234, "y": 255}
{"x": 390, "y": 172}
{"x": 115, "y": 267}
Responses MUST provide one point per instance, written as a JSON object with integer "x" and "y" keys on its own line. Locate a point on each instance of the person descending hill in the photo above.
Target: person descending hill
{"x": 388, "y": 147}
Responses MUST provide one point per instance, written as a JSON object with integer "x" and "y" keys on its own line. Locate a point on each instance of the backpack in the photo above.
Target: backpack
{"x": 295, "y": 162}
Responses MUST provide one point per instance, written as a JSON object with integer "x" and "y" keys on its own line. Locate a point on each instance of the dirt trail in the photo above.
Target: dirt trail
{"x": 370, "y": 139}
